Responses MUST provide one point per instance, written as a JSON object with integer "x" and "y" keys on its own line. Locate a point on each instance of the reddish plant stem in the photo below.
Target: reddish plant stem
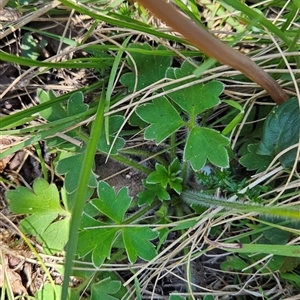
{"x": 214, "y": 48}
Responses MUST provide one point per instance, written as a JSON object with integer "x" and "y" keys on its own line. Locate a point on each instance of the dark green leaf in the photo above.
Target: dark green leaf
{"x": 76, "y": 105}
{"x": 160, "y": 175}
{"x": 254, "y": 161}
{"x": 281, "y": 130}
{"x": 150, "y": 68}
{"x": 30, "y": 48}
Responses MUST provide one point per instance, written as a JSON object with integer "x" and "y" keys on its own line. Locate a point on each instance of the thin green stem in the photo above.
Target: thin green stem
{"x": 80, "y": 194}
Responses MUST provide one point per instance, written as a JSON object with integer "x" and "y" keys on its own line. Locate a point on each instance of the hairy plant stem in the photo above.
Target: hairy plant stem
{"x": 214, "y": 48}
{"x": 201, "y": 199}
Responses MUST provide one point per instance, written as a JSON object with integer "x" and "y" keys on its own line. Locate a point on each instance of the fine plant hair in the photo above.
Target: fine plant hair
{"x": 199, "y": 198}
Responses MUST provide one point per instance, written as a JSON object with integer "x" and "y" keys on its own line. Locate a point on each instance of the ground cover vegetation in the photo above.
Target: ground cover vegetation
{"x": 134, "y": 166}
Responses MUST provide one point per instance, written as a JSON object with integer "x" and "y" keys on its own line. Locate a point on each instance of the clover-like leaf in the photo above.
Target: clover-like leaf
{"x": 71, "y": 166}
{"x": 105, "y": 288}
{"x": 43, "y": 206}
{"x": 196, "y": 98}
{"x": 150, "y": 67}
{"x": 76, "y": 105}
{"x": 281, "y": 130}
{"x": 204, "y": 143}
{"x": 111, "y": 204}
{"x": 136, "y": 241}
{"x": 162, "y": 116}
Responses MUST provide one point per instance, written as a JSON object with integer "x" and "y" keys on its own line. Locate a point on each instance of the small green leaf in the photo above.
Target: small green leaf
{"x": 253, "y": 161}
{"x": 111, "y": 204}
{"x": 162, "y": 116}
{"x": 105, "y": 288}
{"x": 196, "y": 98}
{"x": 176, "y": 185}
{"x": 53, "y": 113}
{"x": 136, "y": 241}
{"x": 150, "y": 67}
{"x": 159, "y": 176}
{"x": 71, "y": 166}
{"x": 166, "y": 177}
{"x": 233, "y": 263}
{"x": 115, "y": 123}
{"x": 98, "y": 241}
{"x": 152, "y": 191}
{"x": 204, "y": 143}
{"x": 281, "y": 130}
{"x": 30, "y": 48}
{"x": 43, "y": 206}
{"x": 44, "y": 197}
{"x": 289, "y": 264}
{"x": 75, "y": 104}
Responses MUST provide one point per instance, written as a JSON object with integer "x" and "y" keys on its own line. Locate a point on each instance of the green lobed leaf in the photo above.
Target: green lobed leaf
{"x": 160, "y": 175}
{"x": 253, "y": 161}
{"x": 76, "y": 105}
{"x": 196, "y": 98}
{"x": 70, "y": 166}
{"x": 136, "y": 241}
{"x": 98, "y": 241}
{"x": 150, "y": 68}
{"x": 55, "y": 237}
{"x": 44, "y": 197}
{"x": 115, "y": 123}
{"x": 30, "y": 48}
{"x": 43, "y": 206}
{"x": 48, "y": 292}
{"x": 204, "y": 143}
{"x": 281, "y": 130}
{"x": 111, "y": 204}
{"x": 53, "y": 113}
{"x": 151, "y": 191}
{"x": 162, "y": 116}
{"x": 105, "y": 288}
